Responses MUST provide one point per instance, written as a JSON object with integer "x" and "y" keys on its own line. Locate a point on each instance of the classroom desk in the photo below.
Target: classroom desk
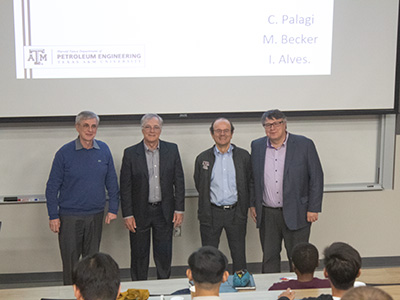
{"x": 378, "y": 277}
{"x": 387, "y": 279}
{"x": 155, "y": 287}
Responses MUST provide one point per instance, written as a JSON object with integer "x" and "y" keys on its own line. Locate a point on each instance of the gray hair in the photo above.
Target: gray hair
{"x": 86, "y": 115}
{"x": 273, "y": 114}
{"x": 148, "y": 117}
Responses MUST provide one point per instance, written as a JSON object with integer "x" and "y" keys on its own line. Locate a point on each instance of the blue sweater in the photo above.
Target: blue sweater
{"x": 78, "y": 181}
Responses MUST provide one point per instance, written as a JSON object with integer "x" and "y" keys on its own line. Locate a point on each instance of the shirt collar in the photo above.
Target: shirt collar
{"x": 78, "y": 144}
{"x": 216, "y": 150}
{"x": 148, "y": 149}
{"x": 283, "y": 144}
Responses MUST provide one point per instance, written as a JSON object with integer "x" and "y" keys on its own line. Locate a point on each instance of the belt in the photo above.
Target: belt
{"x": 155, "y": 203}
{"x": 224, "y": 207}
{"x": 279, "y": 208}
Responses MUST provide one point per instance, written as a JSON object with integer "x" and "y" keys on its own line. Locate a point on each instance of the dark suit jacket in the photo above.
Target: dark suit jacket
{"x": 303, "y": 179}
{"x": 134, "y": 182}
{"x": 244, "y": 183}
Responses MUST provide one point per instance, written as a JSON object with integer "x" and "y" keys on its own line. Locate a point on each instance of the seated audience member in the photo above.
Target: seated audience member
{"x": 305, "y": 260}
{"x": 342, "y": 267}
{"x": 96, "y": 277}
{"x": 366, "y": 293}
{"x": 207, "y": 269}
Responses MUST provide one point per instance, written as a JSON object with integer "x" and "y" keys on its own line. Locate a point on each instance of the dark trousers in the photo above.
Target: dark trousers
{"x": 272, "y": 231}
{"x": 79, "y": 236}
{"x": 236, "y": 234}
{"x": 161, "y": 232}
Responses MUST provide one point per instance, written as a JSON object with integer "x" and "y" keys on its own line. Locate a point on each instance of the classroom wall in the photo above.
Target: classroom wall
{"x": 367, "y": 220}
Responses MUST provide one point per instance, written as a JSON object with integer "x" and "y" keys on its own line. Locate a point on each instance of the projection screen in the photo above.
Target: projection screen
{"x": 124, "y": 57}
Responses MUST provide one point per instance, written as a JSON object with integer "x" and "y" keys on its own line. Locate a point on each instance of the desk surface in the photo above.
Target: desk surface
{"x": 155, "y": 287}
{"x": 168, "y": 286}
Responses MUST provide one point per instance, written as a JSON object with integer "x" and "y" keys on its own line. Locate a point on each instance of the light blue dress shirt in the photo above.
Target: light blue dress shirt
{"x": 223, "y": 189}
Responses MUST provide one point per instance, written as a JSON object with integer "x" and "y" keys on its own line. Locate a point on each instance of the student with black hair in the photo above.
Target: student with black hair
{"x": 207, "y": 269}
{"x": 96, "y": 277}
{"x": 305, "y": 260}
{"x": 342, "y": 267}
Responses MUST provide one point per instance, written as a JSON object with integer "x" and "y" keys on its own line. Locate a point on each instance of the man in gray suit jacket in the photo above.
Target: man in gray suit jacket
{"x": 152, "y": 198}
{"x": 288, "y": 183}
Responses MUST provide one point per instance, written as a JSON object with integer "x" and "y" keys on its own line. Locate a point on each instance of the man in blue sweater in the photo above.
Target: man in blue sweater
{"x": 76, "y": 193}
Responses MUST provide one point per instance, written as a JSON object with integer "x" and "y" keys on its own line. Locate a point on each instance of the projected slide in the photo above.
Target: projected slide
{"x": 175, "y": 38}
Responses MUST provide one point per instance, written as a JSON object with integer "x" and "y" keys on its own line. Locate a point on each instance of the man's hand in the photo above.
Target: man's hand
{"x": 253, "y": 214}
{"x": 288, "y": 293}
{"x": 55, "y": 225}
{"x": 312, "y": 216}
{"x": 130, "y": 224}
{"x": 110, "y": 217}
{"x": 178, "y": 219}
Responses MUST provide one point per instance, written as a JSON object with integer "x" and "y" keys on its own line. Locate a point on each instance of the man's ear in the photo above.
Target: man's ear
{"x": 359, "y": 273}
{"x": 77, "y": 293}
{"x": 225, "y": 276}
{"x": 189, "y": 274}
{"x": 296, "y": 271}
{"x": 326, "y": 273}
{"x": 119, "y": 291}
{"x": 294, "y": 267}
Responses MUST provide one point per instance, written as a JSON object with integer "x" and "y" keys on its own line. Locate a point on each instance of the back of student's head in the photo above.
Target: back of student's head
{"x": 366, "y": 293}
{"x": 207, "y": 265}
{"x": 305, "y": 258}
{"x": 342, "y": 263}
{"x": 97, "y": 277}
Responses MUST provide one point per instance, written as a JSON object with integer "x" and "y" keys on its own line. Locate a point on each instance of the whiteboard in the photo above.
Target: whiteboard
{"x": 349, "y": 148}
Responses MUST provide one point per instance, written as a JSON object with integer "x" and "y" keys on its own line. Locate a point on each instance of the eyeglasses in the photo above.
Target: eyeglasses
{"x": 219, "y": 131}
{"x": 86, "y": 126}
{"x": 275, "y": 124}
{"x": 149, "y": 128}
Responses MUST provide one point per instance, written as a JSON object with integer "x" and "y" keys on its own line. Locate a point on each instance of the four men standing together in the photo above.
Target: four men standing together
{"x": 281, "y": 183}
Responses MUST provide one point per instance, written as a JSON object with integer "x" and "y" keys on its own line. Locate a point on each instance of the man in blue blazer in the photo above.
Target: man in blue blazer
{"x": 152, "y": 198}
{"x": 288, "y": 184}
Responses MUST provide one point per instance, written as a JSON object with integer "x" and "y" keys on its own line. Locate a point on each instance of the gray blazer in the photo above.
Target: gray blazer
{"x": 303, "y": 180}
